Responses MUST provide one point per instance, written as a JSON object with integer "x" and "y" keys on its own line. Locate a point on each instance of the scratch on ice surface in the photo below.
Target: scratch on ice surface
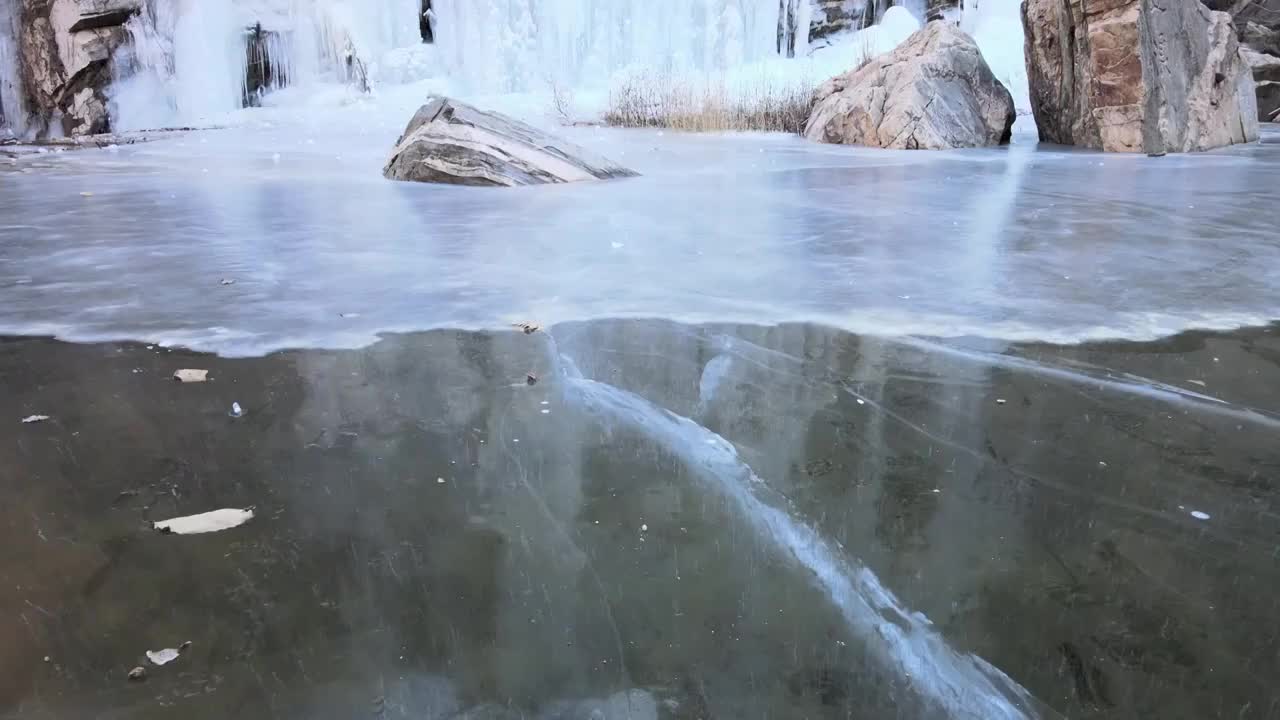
{"x": 959, "y": 685}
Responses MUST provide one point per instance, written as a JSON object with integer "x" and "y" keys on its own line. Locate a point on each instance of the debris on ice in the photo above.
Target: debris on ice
{"x": 213, "y": 521}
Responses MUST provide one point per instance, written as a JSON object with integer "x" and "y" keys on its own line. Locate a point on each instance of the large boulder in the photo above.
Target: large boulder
{"x": 1134, "y": 76}
{"x": 65, "y": 49}
{"x": 451, "y": 142}
{"x": 933, "y": 92}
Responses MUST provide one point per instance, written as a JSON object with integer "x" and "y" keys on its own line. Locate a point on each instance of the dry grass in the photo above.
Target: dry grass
{"x": 864, "y": 52}
{"x": 648, "y": 99}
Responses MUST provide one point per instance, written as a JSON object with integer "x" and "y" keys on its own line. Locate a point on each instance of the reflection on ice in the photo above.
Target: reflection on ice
{"x": 944, "y": 682}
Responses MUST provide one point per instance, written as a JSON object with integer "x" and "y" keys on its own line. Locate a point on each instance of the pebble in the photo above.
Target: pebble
{"x": 138, "y": 674}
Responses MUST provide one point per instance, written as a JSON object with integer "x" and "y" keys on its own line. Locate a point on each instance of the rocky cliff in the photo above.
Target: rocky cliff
{"x": 65, "y": 49}
{"x": 1149, "y": 76}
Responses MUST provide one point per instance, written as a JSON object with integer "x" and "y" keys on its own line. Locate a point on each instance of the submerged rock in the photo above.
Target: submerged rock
{"x": 931, "y": 93}
{"x": 1128, "y": 76}
{"x": 451, "y": 142}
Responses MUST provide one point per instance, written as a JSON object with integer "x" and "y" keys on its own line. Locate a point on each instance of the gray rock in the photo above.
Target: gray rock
{"x": 829, "y": 17}
{"x": 1266, "y": 73}
{"x": 65, "y": 49}
{"x": 1127, "y": 76}
{"x": 942, "y": 10}
{"x": 451, "y": 142}
{"x": 1257, "y": 22}
{"x": 933, "y": 92}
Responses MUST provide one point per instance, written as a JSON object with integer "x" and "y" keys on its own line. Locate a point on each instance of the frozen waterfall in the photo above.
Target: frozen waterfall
{"x": 514, "y": 45}
{"x": 195, "y": 62}
{"x": 190, "y": 60}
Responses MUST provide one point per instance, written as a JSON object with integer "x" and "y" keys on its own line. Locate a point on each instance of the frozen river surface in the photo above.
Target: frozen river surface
{"x": 1017, "y": 243}
{"x": 729, "y": 478}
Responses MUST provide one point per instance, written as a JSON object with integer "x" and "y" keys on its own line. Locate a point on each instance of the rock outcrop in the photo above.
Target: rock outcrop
{"x": 933, "y": 92}
{"x": 450, "y": 142}
{"x": 828, "y": 17}
{"x": 65, "y": 49}
{"x": 1127, "y": 76}
{"x": 1266, "y": 73}
{"x": 1260, "y": 37}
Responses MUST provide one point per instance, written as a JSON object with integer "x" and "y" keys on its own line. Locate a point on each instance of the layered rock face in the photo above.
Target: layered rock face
{"x": 65, "y": 49}
{"x": 1257, "y": 24}
{"x": 1266, "y": 73}
{"x": 828, "y": 17}
{"x": 1149, "y": 76}
{"x": 933, "y": 92}
{"x": 449, "y": 142}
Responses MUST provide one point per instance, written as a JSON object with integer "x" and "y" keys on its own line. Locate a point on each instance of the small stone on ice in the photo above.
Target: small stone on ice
{"x": 138, "y": 674}
{"x": 440, "y": 480}
{"x": 1000, "y": 401}
{"x": 861, "y": 401}
{"x": 34, "y": 419}
{"x": 1199, "y": 515}
{"x": 188, "y": 375}
{"x": 644, "y": 528}
{"x": 236, "y": 410}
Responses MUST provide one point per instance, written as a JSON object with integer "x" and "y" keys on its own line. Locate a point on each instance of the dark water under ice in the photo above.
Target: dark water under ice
{"x": 714, "y": 521}
{"x": 798, "y": 444}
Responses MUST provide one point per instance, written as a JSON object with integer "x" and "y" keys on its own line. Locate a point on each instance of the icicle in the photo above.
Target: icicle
{"x": 12, "y": 112}
{"x": 512, "y": 45}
